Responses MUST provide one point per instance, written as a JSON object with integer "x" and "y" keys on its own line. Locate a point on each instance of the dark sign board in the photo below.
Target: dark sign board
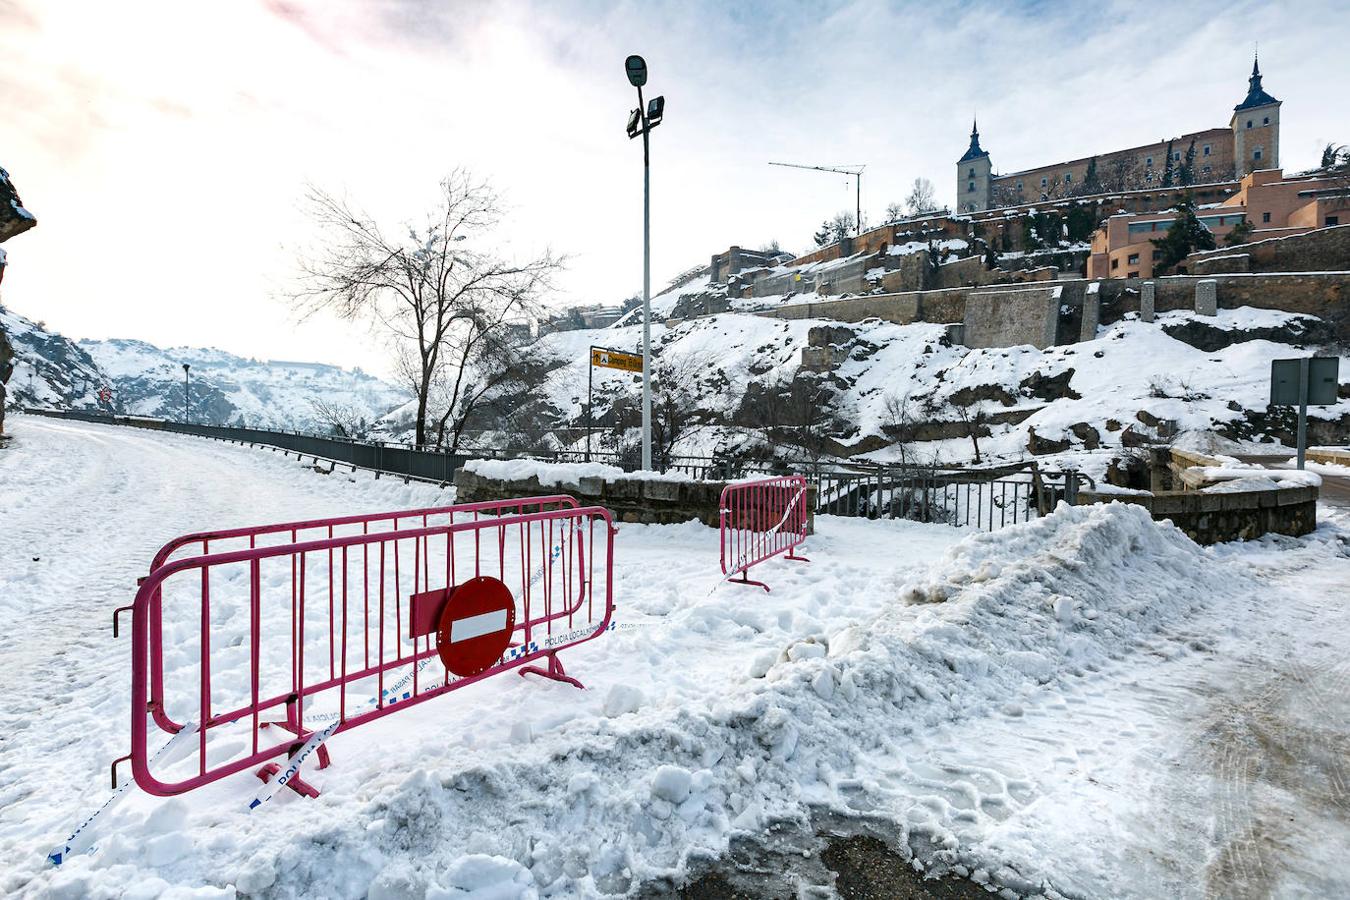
{"x": 1323, "y": 381}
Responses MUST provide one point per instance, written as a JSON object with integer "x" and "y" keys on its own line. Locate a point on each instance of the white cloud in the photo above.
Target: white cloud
{"x": 163, "y": 145}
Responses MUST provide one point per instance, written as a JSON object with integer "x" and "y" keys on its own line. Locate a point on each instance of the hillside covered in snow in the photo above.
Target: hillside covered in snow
{"x": 737, "y": 385}
{"x": 144, "y": 380}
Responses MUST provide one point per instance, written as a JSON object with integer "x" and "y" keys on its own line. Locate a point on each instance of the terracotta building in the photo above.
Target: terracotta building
{"x": 1250, "y": 142}
{"x": 1274, "y": 205}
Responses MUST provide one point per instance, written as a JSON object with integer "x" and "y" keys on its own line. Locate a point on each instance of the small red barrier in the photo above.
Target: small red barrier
{"x": 340, "y": 621}
{"x": 759, "y": 520}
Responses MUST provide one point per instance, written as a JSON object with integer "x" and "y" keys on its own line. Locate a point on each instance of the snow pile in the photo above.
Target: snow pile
{"x": 604, "y": 804}
{"x": 1276, "y": 477}
{"x": 605, "y": 800}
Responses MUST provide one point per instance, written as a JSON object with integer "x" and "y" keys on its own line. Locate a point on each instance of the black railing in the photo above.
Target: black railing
{"x": 983, "y": 498}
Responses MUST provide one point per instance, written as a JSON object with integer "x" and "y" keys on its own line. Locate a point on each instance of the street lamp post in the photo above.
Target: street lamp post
{"x": 187, "y": 419}
{"x": 641, "y": 121}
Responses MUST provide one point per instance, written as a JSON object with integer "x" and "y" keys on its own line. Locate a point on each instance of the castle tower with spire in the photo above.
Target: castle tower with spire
{"x": 1256, "y": 128}
{"x": 1251, "y": 141}
{"x": 973, "y": 175}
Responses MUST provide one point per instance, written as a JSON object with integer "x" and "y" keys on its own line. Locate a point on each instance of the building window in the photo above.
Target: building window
{"x": 1249, "y": 123}
{"x": 1256, "y": 154}
{"x": 1148, "y": 160}
{"x": 972, "y": 172}
{"x": 970, "y": 186}
{"x": 1176, "y": 156}
{"x": 1266, "y": 120}
{"x": 1131, "y": 274}
{"x": 1019, "y": 187}
{"x": 1265, "y": 217}
{"x": 1133, "y": 260}
{"x": 1157, "y": 255}
{"x": 1044, "y": 182}
{"x": 1115, "y": 264}
{"x": 1333, "y": 220}
{"x": 1205, "y": 150}
{"x": 1148, "y": 176}
{"x": 1068, "y": 176}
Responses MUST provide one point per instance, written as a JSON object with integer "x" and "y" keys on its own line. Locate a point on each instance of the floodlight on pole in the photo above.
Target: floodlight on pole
{"x": 187, "y": 419}
{"x": 640, "y": 122}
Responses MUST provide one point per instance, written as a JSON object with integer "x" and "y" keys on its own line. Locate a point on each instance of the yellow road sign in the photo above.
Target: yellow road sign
{"x": 615, "y": 359}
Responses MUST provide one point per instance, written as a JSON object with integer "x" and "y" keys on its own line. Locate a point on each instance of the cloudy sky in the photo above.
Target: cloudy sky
{"x": 164, "y": 145}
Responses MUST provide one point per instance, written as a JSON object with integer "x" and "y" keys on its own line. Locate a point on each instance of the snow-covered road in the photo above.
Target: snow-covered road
{"x": 1088, "y": 706}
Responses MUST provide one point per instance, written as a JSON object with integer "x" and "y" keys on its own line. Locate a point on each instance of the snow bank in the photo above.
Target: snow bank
{"x": 602, "y": 804}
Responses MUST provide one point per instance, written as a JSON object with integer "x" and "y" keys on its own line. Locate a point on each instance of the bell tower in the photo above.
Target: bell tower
{"x": 1256, "y": 128}
{"x": 973, "y": 176}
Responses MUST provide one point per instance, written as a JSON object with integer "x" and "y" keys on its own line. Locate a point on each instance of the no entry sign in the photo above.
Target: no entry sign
{"x": 476, "y": 625}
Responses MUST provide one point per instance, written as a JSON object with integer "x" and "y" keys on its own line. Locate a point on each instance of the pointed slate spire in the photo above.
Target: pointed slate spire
{"x": 975, "y": 152}
{"x": 1256, "y": 95}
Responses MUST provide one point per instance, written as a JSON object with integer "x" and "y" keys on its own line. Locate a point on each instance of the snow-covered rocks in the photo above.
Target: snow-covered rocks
{"x": 672, "y": 784}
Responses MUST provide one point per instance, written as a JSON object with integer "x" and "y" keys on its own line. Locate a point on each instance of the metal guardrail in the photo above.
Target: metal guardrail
{"x": 984, "y": 498}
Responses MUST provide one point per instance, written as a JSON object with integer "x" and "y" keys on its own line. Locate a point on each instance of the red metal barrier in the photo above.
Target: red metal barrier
{"x": 759, "y": 520}
{"x": 328, "y": 627}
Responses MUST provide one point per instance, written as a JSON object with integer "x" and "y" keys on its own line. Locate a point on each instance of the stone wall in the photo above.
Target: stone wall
{"x": 652, "y": 501}
{"x": 1212, "y": 518}
{"x": 1322, "y": 294}
{"x": 1322, "y": 250}
{"x": 1008, "y": 318}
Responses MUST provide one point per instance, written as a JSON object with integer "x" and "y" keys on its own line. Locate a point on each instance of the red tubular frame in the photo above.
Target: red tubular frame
{"x": 531, "y": 542}
{"x": 326, "y": 527}
{"x": 759, "y": 520}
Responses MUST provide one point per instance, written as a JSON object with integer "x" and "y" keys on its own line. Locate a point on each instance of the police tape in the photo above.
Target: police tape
{"x": 81, "y": 839}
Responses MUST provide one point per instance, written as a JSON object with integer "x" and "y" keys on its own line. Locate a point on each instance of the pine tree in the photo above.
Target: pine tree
{"x": 1187, "y": 174}
{"x": 1240, "y": 234}
{"x": 1168, "y": 171}
{"x": 824, "y": 235}
{"x": 1185, "y": 236}
{"x": 1091, "y": 182}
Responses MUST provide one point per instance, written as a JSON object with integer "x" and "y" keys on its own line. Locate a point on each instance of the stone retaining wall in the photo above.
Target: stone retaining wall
{"x": 631, "y": 498}
{"x": 1212, "y": 518}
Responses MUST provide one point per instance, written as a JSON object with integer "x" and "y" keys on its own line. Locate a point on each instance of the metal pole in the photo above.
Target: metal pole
{"x": 590, "y": 413}
{"x": 1302, "y": 409}
{"x": 646, "y": 289}
{"x": 857, "y": 221}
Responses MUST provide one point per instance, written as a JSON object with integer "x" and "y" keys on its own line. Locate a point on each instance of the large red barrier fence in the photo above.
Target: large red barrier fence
{"x": 274, "y": 636}
{"x": 759, "y": 520}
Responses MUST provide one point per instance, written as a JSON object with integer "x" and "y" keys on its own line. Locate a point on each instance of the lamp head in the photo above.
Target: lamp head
{"x": 636, "y": 67}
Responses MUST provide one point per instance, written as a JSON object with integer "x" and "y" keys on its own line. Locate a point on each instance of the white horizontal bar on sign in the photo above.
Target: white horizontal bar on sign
{"x": 477, "y": 626}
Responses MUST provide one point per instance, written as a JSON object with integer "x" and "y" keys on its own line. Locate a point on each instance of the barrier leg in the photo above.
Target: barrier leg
{"x": 297, "y": 784}
{"x": 744, "y": 579}
{"x": 324, "y": 759}
{"x": 792, "y": 554}
{"x": 555, "y": 671}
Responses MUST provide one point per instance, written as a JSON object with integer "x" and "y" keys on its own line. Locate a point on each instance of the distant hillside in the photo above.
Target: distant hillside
{"x": 145, "y": 380}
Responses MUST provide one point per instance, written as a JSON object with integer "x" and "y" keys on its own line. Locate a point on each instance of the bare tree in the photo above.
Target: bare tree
{"x": 921, "y": 198}
{"x": 342, "y": 419}
{"x": 972, "y": 415}
{"x": 898, "y": 424}
{"x": 895, "y": 212}
{"x": 441, "y": 303}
